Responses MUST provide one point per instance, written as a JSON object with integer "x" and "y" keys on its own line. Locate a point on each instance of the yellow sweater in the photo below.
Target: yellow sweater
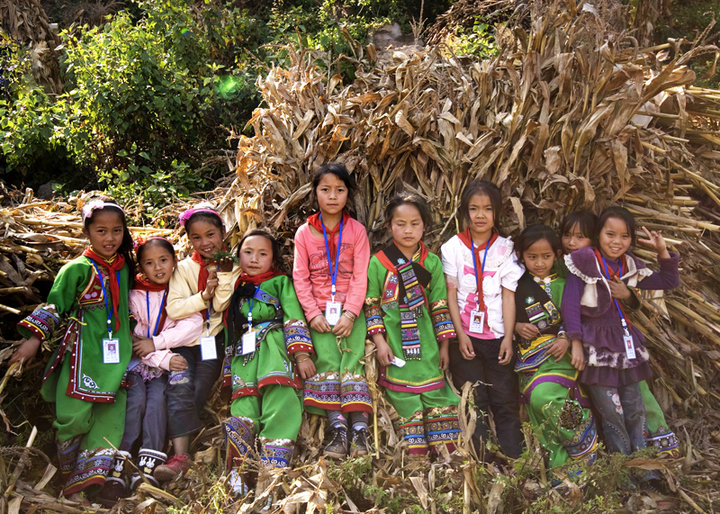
{"x": 184, "y": 299}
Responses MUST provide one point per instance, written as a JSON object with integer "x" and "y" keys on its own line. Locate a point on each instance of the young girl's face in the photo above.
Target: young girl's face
{"x": 614, "y": 239}
{"x": 481, "y": 218}
{"x": 332, "y": 195}
{"x": 157, "y": 264}
{"x": 256, "y": 255}
{"x": 574, "y": 239}
{"x": 205, "y": 237}
{"x": 407, "y": 228}
{"x": 105, "y": 232}
{"x": 539, "y": 258}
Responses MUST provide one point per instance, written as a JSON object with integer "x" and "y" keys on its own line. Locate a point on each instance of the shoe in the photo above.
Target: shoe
{"x": 148, "y": 461}
{"x": 176, "y": 466}
{"x": 359, "y": 442}
{"x": 336, "y": 448}
{"x": 111, "y": 492}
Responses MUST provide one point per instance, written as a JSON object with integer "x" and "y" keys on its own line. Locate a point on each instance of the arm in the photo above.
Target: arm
{"x": 570, "y": 307}
{"x": 182, "y": 300}
{"x": 301, "y": 276}
{"x": 438, "y": 301}
{"x": 359, "y": 282}
{"x": 373, "y": 313}
{"x": 466, "y": 348}
{"x": 508, "y": 310}
{"x": 179, "y": 332}
{"x": 225, "y": 288}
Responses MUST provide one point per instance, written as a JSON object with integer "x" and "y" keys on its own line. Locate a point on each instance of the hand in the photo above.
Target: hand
{"x": 143, "y": 346}
{"x": 527, "y": 330}
{"x": 26, "y": 351}
{"x": 384, "y": 355}
{"x": 578, "y": 355}
{"x": 225, "y": 264}
{"x": 618, "y": 289}
{"x": 506, "y": 351}
{"x": 558, "y": 348}
{"x": 444, "y": 354}
{"x": 178, "y": 363}
{"x": 320, "y": 324}
{"x": 343, "y": 327}
{"x": 305, "y": 365}
{"x": 210, "y": 286}
{"x": 656, "y": 240}
{"x": 466, "y": 347}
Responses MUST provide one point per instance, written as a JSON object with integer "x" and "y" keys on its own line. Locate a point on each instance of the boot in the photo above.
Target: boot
{"x": 147, "y": 461}
{"x": 115, "y": 486}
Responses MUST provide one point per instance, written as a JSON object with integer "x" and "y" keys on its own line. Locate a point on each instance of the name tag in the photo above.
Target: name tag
{"x": 477, "y": 321}
{"x": 208, "y": 350}
{"x": 249, "y": 340}
{"x": 629, "y": 346}
{"x": 333, "y": 310}
{"x": 397, "y": 361}
{"x": 111, "y": 351}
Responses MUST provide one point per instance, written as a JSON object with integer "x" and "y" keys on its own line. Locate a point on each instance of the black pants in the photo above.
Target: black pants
{"x": 496, "y": 391}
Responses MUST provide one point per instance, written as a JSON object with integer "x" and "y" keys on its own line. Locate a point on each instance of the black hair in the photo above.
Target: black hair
{"x": 481, "y": 187}
{"x": 126, "y": 246}
{"x": 153, "y": 241}
{"x": 212, "y": 218}
{"x": 586, "y": 220}
{"x": 620, "y": 213}
{"x": 336, "y": 168}
{"x": 409, "y": 199}
{"x": 535, "y": 233}
{"x": 274, "y": 244}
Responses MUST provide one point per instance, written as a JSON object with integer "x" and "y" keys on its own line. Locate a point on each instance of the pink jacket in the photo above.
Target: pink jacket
{"x": 174, "y": 333}
{"x": 311, "y": 271}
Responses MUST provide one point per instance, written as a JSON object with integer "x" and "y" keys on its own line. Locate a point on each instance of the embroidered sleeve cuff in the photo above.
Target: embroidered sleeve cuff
{"x": 443, "y": 325}
{"x": 41, "y": 323}
{"x": 297, "y": 337}
{"x": 373, "y": 317}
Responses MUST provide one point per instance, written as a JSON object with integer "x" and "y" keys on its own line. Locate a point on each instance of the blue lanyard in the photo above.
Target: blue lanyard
{"x": 108, "y": 309}
{"x": 249, "y": 316}
{"x": 147, "y": 304}
{"x": 478, "y": 280}
{"x": 617, "y": 305}
{"x": 333, "y": 275}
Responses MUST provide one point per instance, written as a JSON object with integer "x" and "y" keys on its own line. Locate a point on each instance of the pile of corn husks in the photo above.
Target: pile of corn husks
{"x": 571, "y": 114}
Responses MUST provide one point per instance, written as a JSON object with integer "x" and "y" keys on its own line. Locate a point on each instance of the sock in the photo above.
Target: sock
{"x": 359, "y": 420}
{"x": 336, "y": 419}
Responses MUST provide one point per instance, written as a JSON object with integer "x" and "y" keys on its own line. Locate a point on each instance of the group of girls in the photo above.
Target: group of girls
{"x": 141, "y": 352}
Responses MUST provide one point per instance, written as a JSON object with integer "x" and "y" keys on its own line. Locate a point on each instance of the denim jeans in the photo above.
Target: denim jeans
{"x": 188, "y": 390}
{"x": 146, "y": 413}
{"x": 622, "y": 414}
{"x": 496, "y": 391}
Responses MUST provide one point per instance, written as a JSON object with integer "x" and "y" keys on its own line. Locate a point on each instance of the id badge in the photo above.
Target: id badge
{"x": 397, "y": 361}
{"x": 208, "y": 350}
{"x": 477, "y": 321}
{"x": 111, "y": 351}
{"x": 629, "y": 346}
{"x": 333, "y": 310}
{"x": 249, "y": 341}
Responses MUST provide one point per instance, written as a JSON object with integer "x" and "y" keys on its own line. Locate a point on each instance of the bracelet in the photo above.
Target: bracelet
{"x": 351, "y": 316}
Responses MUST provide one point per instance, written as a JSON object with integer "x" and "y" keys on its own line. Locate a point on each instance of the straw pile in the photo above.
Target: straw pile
{"x": 571, "y": 114}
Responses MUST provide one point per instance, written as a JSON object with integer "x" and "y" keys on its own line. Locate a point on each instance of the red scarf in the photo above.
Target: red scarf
{"x": 111, "y": 268}
{"x": 314, "y": 222}
{"x": 204, "y": 273}
{"x": 610, "y": 273}
{"x": 466, "y": 237}
{"x": 143, "y": 284}
{"x": 256, "y": 280}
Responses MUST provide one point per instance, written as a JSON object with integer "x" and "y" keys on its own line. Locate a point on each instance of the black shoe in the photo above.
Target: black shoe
{"x": 337, "y": 446}
{"x": 359, "y": 442}
{"x": 111, "y": 492}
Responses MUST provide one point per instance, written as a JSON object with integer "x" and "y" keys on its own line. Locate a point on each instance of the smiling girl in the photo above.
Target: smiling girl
{"x": 85, "y": 372}
{"x": 616, "y": 358}
{"x": 408, "y": 320}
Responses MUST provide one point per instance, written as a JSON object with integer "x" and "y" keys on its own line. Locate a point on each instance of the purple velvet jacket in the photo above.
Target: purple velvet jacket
{"x": 591, "y": 316}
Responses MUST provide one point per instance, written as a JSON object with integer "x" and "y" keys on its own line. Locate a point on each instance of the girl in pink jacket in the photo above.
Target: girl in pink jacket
{"x": 153, "y": 337}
